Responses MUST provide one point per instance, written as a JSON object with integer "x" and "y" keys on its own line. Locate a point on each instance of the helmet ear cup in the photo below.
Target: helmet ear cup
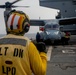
{"x": 26, "y": 27}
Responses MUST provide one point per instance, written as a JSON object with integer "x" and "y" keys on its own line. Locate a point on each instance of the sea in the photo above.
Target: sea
{"x": 29, "y": 35}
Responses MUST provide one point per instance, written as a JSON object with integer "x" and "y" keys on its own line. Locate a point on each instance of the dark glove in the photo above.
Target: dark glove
{"x": 41, "y": 47}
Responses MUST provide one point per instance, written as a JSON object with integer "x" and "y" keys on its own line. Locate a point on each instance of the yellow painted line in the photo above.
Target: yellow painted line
{"x": 49, "y": 53}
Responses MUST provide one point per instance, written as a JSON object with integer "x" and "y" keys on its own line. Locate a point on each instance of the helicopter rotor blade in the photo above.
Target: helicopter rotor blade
{"x": 9, "y": 5}
{"x": 2, "y": 6}
{"x": 15, "y": 1}
{"x": 20, "y": 6}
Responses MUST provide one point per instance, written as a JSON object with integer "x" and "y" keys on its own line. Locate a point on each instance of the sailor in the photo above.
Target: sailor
{"x": 38, "y": 37}
{"x": 18, "y": 54}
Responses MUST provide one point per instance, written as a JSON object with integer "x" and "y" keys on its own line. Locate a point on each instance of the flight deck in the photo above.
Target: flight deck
{"x": 62, "y": 59}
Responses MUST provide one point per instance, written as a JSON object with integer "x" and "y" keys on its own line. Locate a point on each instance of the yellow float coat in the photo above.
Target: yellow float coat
{"x": 21, "y": 58}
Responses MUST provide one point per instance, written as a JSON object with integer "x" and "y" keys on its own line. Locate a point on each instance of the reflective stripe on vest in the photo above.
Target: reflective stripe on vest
{"x": 14, "y": 41}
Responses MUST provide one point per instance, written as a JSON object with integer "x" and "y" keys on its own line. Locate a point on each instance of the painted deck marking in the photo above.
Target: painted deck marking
{"x": 49, "y": 53}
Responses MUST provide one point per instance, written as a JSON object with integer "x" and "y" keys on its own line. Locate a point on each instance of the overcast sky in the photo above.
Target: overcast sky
{"x": 34, "y": 11}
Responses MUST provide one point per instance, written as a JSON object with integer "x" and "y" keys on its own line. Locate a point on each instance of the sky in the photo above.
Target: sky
{"x": 34, "y": 11}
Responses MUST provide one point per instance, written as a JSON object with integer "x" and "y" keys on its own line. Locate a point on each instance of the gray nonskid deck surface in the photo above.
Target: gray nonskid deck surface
{"x": 63, "y": 61}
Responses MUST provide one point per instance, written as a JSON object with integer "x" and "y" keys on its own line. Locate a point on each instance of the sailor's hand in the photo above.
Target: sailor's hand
{"x": 41, "y": 47}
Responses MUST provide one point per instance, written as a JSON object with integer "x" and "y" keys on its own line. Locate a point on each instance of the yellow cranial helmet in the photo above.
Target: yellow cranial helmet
{"x": 17, "y": 23}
